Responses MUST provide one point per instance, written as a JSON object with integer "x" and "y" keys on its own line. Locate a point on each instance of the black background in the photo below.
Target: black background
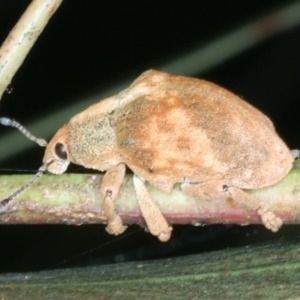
{"x": 90, "y": 44}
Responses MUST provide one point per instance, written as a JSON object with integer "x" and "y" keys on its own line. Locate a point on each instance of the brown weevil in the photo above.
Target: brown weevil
{"x": 173, "y": 129}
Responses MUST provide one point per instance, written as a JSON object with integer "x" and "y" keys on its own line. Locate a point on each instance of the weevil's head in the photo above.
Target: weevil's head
{"x": 57, "y": 155}
{"x": 56, "y": 161}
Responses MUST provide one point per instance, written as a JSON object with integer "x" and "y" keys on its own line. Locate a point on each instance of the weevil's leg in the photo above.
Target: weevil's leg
{"x": 295, "y": 153}
{"x": 268, "y": 218}
{"x": 217, "y": 189}
{"x": 151, "y": 212}
{"x": 109, "y": 191}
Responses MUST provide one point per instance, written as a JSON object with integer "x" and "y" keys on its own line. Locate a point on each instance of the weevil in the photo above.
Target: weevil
{"x": 173, "y": 129}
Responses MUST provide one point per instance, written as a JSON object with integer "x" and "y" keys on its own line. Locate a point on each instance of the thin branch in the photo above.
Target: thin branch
{"x": 22, "y": 37}
{"x": 75, "y": 199}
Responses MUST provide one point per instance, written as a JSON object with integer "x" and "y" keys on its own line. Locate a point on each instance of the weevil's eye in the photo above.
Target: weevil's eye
{"x": 60, "y": 151}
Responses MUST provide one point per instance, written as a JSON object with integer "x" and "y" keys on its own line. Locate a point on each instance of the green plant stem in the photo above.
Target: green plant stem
{"x": 75, "y": 199}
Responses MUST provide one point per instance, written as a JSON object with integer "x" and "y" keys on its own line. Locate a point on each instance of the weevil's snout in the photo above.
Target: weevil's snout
{"x": 57, "y": 157}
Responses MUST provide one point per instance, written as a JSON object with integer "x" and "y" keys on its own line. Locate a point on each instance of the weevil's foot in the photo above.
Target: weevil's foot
{"x": 165, "y": 235}
{"x": 270, "y": 220}
{"x": 115, "y": 226}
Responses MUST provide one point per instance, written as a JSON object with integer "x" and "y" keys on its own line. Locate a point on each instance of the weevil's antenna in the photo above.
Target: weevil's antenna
{"x": 10, "y": 122}
{"x": 39, "y": 174}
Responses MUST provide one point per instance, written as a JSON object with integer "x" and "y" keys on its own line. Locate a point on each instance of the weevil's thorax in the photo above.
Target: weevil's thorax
{"x": 92, "y": 141}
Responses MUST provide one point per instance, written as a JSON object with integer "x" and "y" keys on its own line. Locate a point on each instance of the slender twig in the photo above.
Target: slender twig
{"x": 22, "y": 37}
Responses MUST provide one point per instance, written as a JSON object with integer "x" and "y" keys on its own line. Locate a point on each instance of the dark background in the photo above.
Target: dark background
{"x": 89, "y": 45}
